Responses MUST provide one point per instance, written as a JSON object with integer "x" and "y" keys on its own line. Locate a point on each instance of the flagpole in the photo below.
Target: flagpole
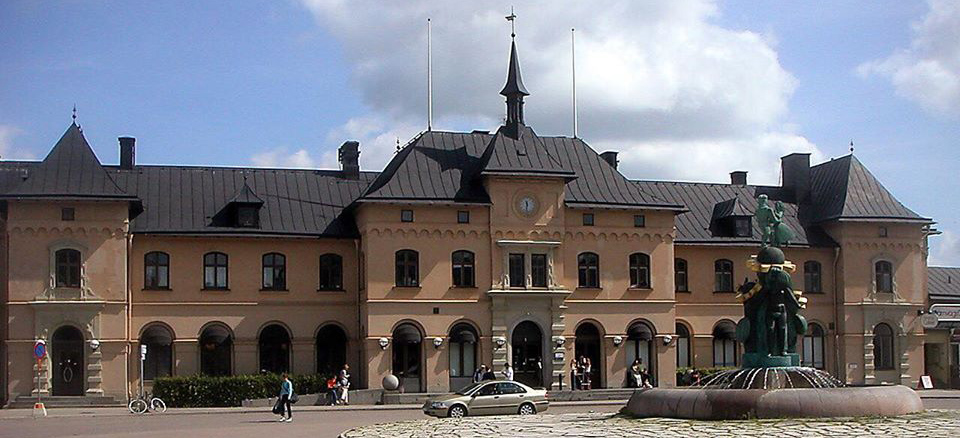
{"x": 429, "y": 79}
{"x": 573, "y": 69}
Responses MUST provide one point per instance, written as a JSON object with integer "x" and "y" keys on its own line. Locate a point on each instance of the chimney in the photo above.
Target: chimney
{"x": 128, "y": 151}
{"x": 349, "y": 157}
{"x": 795, "y": 175}
{"x": 610, "y": 157}
{"x": 738, "y": 177}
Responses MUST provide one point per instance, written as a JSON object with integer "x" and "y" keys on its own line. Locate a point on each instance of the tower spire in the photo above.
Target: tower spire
{"x": 514, "y": 90}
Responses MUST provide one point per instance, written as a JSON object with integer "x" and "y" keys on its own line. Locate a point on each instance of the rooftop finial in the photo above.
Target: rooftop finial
{"x": 851, "y": 146}
{"x": 514, "y": 90}
{"x": 511, "y": 18}
{"x": 74, "y": 116}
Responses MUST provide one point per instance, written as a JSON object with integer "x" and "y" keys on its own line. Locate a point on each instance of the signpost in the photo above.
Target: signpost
{"x": 39, "y": 353}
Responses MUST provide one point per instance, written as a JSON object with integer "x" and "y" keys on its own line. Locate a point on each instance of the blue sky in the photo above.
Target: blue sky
{"x": 727, "y": 85}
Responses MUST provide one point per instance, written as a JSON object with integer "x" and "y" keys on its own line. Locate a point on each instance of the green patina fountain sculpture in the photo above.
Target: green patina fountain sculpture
{"x": 771, "y": 305}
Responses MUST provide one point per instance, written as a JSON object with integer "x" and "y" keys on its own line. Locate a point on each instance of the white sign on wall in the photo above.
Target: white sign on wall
{"x": 948, "y": 315}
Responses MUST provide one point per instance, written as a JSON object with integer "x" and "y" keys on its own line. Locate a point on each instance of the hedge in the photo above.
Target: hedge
{"x": 228, "y": 391}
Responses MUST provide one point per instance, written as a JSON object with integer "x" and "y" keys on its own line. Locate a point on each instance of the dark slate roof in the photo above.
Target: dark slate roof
{"x": 843, "y": 188}
{"x": 729, "y": 208}
{"x": 697, "y": 224}
{"x": 246, "y": 195}
{"x": 70, "y": 170}
{"x": 184, "y": 199}
{"x": 943, "y": 282}
{"x": 524, "y": 155}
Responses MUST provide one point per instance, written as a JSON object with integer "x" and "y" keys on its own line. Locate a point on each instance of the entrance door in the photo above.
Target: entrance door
{"x": 528, "y": 354}
{"x": 407, "y": 343}
{"x": 588, "y": 346}
{"x": 67, "y": 358}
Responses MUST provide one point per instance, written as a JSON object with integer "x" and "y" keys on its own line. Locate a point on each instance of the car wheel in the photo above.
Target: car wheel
{"x": 457, "y": 412}
{"x": 527, "y": 409}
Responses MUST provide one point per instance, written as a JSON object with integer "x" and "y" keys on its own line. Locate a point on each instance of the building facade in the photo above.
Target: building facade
{"x": 466, "y": 249}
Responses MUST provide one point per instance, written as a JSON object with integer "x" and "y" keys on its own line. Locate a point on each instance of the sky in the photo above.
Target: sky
{"x": 685, "y": 90}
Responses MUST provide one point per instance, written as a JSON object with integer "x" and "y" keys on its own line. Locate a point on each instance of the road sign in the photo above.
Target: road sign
{"x": 143, "y": 352}
{"x": 40, "y": 349}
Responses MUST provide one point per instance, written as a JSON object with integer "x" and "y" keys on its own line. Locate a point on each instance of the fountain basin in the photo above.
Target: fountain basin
{"x": 736, "y": 404}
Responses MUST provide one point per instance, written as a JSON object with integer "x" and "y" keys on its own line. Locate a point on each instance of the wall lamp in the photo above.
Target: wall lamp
{"x": 559, "y": 341}
{"x": 617, "y": 341}
{"x": 500, "y": 341}
{"x": 383, "y": 342}
{"x": 437, "y": 342}
{"x": 667, "y": 339}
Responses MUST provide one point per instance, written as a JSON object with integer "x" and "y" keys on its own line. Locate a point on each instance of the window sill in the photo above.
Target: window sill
{"x": 682, "y": 291}
{"x": 462, "y": 287}
{"x": 157, "y": 289}
{"x": 588, "y": 288}
{"x": 640, "y": 289}
{"x": 270, "y": 289}
{"x": 216, "y": 289}
{"x": 331, "y": 290}
{"x": 723, "y": 291}
{"x": 408, "y": 287}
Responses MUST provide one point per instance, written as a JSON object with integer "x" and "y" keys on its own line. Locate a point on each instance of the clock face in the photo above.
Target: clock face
{"x": 527, "y": 205}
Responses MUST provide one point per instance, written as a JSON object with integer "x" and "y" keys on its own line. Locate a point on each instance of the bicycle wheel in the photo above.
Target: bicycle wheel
{"x": 137, "y": 406}
{"x": 157, "y": 405}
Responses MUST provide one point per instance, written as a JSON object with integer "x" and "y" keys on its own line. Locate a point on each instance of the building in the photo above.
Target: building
{"x": 467, "y": 248}
{"x": 942, "y": 348}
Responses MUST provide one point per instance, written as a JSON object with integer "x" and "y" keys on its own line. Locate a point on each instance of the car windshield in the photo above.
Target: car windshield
{"x": 472, "y": 387}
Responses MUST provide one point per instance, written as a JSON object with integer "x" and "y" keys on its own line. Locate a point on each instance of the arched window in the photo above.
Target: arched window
{"x": 274, "y": 347}
{"x": 723, "y": 275}
{"x": 883, "y": 347}
{"x": 588, "y": 267}
{"x": 811, "y": 277}
{"x": 159, "y": 360}
{"x": 156, "y": 270}
{"x": 683, "y": 346}
{"x": 408, "y": 268}
{"x": 724, "y": 345}
{"x": 215, "y": 270}
{"x": 331, "y": 349}
{"x": 463, "y": 355}
{"x": 884, "y": 273}
{"x": 813, "y": 351}
{"x": 216, "y": 351}
{"x": 640, "y": 346}
{"x": 274, "y": 271}
{"x": 640, "y": 270}
{"x": 407, "y": 357}
{"x": 680, "y": 275}
{"x": 331, "y": 272}
{"x": 588, "y": 344}
{"x": 68, "y": 268}
{"x": 462, "y": 268}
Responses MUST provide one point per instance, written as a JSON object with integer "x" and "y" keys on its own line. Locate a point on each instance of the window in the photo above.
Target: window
{"x": 884, "y": 274}
{"x": 331, "y": 272}
{"x": 813, "y": 351}
{"x": 724, "y": 345}
{"x": 639, "y": 220}
{"x": 490, "y": 389}
{"x": 274, "y": 271}
{"x": 248, "y": 216}
{"x": 68, "y": 268}
{"x": 215, "y": 270}
{"x": 463, "y": 217}
{"x": 331, "y": 347}
{"x": 517, "y": 270}
{"x": 510, "y": 388}
{"x": 683, "y": 346}
{"x": 408, "y": 268}
{"x": 723, "y": 275}
{"x": 274, "y": 348}
{"x": 159, "y": 360}
{"x": 811, "y": 277}
{"x": 742, "y": 227}
{"x": 463, "y": 351}
{"x": 883, "y": 347}
{"x": 588, "y": 219}
{"x": 406, "y": 215}
{"x": 538, "y": 268}
{"x": 680, "y": 275}
{"x": 68, "y": 214}
{"x": 156, "y": 270}
{"x": 463, "y": 269}
{"x": 588, "y": 268}
{"x": 216, "y": 351}
{"x": 882, "y": 231}
{"x": 640, "y": 270}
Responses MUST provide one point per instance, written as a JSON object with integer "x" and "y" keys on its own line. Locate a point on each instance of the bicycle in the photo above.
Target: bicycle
{"x": 142, "y": 403}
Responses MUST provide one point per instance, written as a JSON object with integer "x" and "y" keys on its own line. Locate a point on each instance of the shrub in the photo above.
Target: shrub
{"x": 209, "y": 391}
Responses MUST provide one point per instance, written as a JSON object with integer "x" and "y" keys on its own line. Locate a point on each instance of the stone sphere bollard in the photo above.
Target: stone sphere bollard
{"x": 391, "y": 383}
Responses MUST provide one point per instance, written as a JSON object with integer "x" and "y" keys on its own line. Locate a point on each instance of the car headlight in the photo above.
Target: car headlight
{"x": 438, "y": 405}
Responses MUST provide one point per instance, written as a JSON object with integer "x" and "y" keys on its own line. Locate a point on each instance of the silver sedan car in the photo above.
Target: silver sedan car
{"x": 491, "y": 397}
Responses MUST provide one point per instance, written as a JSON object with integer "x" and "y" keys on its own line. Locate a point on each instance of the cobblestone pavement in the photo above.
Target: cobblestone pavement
{"x": 600, "y": 425}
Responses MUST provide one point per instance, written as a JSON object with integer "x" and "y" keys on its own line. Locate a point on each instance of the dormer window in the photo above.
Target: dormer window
{"x": 248, "y": 216}
{"x": 242, "y": 211}
{"x": 741, "y": 227}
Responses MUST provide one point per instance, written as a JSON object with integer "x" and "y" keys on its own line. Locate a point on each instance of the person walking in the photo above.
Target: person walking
{"x": 286, "y": 391}
{"x": 574, "y": 375}
{"x": 344, "y": 381}
{"x": 507, "y": 371}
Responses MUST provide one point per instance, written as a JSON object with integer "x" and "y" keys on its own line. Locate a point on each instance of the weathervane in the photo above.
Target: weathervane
{"x": 511, "y": 18}
{"x": 74, "y": 116}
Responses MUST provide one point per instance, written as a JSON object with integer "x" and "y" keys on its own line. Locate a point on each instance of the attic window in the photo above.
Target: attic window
{"x": 588, "y": 219}
{"x": 406, "y": 215}
{"x": 883, "y": 231}
{"x": 639, "y": 221}
{"x": 248, "y": 216}
{"x": 68, "y": 214}
{"x": 742, "y": 227}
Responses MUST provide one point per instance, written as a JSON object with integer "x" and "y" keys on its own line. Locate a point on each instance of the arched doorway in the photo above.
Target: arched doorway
{"x": 527, "y": 343}
{"x": 588, "y": 345}
{"x": 407, "y": 342}
{"x": 331, "y": 349}
{"x": 274, "y": 349}
{"x": 640, "y": 347}
{"x": 67, "y": 361}
{"x": 216, "y": 351}
{"x": 463, "y": 355}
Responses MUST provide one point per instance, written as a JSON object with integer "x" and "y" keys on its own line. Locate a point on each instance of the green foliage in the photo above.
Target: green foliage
{"x": 208, "y": 391}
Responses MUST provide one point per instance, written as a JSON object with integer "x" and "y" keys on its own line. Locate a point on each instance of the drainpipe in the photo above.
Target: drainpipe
{"x": 129, "y": 318}
{"x": 836, "y": 315}
{"x": 361, "y": 344}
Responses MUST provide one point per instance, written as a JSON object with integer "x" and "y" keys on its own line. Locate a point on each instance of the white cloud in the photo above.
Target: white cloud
{"x": 7, "y": 150}
{"x": 656, "y": 80}
{"x": 946, "y": 249}
{"x": 378, "y": 140}
{"x": 280, "y": 157}
{"x": 928, "y": 72}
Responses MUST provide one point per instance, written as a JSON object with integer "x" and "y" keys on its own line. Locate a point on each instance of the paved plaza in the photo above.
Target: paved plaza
{"x": 600, "y": 425}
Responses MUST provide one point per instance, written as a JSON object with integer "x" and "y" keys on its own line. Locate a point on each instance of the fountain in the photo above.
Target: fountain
{"x": 771, "y": 382}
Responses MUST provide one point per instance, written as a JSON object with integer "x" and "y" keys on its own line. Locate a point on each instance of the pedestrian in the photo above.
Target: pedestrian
{"x": 478, "y": 375}
{"x": 634, "y": 376}
{"x": 507, "y": 371}
{"x": 286, "y": 392}
{"x": 332, "y": 387}
{"x": 489, "y": 374}
{"x": 344, "y": 382}
{"x": 574, "y": 375}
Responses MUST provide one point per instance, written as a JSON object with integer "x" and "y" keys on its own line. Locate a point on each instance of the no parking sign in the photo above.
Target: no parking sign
{"x": 40, "y": 349}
